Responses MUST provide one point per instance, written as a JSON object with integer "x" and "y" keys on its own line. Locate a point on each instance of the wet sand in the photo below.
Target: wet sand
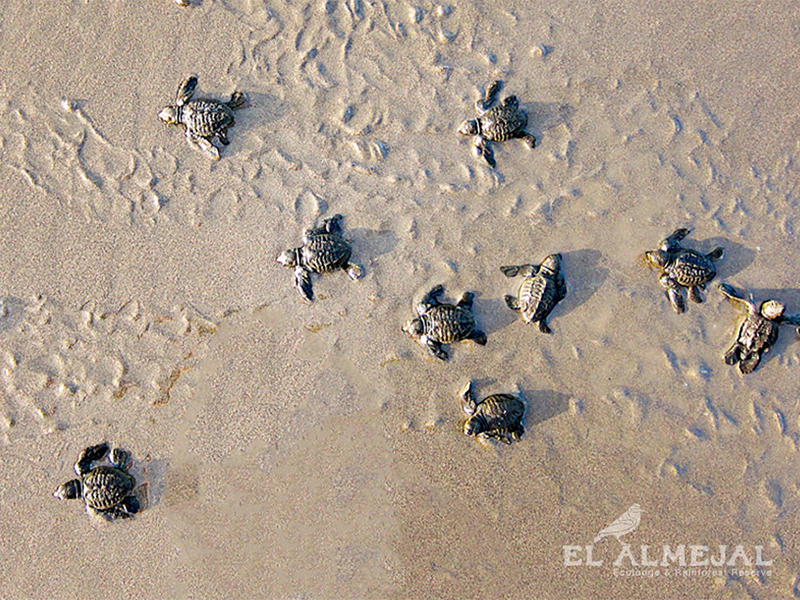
{"x": 315, "y": 452}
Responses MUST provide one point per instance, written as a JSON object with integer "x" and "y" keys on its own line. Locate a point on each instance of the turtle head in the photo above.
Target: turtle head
{"x": 470, "y": 127}
{"x": 473, "y": 426}
{"x": 772, "y": 309}
{"x": 552, "y": 263}
{"x": 170, "y": 115}
{"x": 290, "y": 258}
{"x": 69, "y": 490}
{"x": 657, "y": 258}
{"x": 414, "y": 327}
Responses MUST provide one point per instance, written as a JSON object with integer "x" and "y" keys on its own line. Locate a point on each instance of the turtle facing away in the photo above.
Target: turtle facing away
{"x": 540, "y": 291}
{"x": 324, "y": 250}
{"x": 498, "y": 416}
{"x": 496, "y": 123}
{"x": 438, "y": 323}
{"x": 683, "y": 268}
{"x": 203, "y": 118}
{"x": 108, "y": 491}
{"x": 759, "y": 331}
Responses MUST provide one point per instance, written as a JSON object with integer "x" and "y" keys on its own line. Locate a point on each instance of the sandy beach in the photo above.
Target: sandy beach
{"x": 316, "y": 452}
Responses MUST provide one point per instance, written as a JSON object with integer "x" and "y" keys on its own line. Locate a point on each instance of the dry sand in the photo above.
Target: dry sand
{"x": 315, "y": 452}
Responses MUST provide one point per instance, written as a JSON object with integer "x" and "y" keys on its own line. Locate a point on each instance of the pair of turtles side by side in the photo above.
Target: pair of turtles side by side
{"x": 439, "y": 323}
{"x": 758, "y": 332}
{"x": 109, "y": 491}
{"x": 683, "y": 268}
{"x": 498, "y": 416}
{"x": 496, "y": 123}
{"x": 203, "y": 118}
{"x": 324, "y": 250}
{"x": 541, "y": 289}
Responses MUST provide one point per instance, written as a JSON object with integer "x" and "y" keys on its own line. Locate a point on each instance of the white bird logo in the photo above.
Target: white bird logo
{"x": 627, "y": 522}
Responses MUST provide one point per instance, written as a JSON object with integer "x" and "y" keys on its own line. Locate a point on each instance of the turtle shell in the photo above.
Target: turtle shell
{"x": 537, "y": 297}
{"x": 326, "y": 252}
{"x": 499, "y": 414}
{"x": 758, "y": 334}
{"x": 690, "y": 268}
{"x": 104, "y": 487}
{"x": 205, "y": 117}
{"x": 447, "y": 323}
{"x": 503, "y": 122}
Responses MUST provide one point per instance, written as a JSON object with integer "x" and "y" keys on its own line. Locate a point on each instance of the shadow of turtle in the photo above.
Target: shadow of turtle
{"x": 12, "y": 313}
{"x": 546, "y": 115}
{"x": 584, "y": 277}
{"x": 371, "y": 242}
{"x": 543, "y": 405}
{"x": 260, "y": 108}
{"x": 493, "y": 314}
{"x": 737, "y": 256}
{"x": 788, "y": 334}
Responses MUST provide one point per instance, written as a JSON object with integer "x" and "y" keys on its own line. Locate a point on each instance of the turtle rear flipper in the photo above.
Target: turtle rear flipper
{"x": 302, "y": 281}
{"x": 185, "y": 90}
{"x": 222, "y": 134}
{"x": 204, "y": 144}
{"x": 353, "y": 271}
{"x": 512, "y": 302}
{"x": 749, "y": 363}
{"x": 543, "y": 327}
{"x": 434, "y": 348}
{"x": 237, "y": 100}
{"x": 479, "y": 337}
{"x": 528, "y": 138}
{"x": 716, "y": 254}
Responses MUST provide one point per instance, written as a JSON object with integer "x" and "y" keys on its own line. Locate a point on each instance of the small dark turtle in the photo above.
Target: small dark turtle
{"x": 203, "y": 118}
{"x": 540, "y": 291}
{"x": 439, "y": 324}
{"x": 497, "y": 416}
{"x": 496, "y": 123}
{"x": 759, "y": 331}
{"x": 324, "y": 250}
{"x": 108, "y": 491}
{"x": 681, "y": 267}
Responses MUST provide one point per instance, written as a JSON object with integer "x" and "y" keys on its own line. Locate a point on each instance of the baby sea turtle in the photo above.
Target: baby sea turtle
{"x": 203, "y": 118}
{"x": 324, "y": 250}
{"x": 681, "y": 267}
{"x": 108, "y": 491}
{"x": 499, "y": 123}
{"x": 497, "y": 416}
{"x": 439, "y": 324}
{"x": 759, "y": 331}
{"x": 540, "y": 291}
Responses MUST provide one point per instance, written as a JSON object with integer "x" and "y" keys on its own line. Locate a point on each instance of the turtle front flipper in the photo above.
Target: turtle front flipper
{"x": 512, "y": 302}
{"x": 527, "y": 270}
{"x": 333, "y": 224}
{"x": 237, "y": 100}
{"x": 302, "y": 281}
{"x": 90, "y": 455}
{"x": 489, "y": 98}
{"x": 432, "y": 297}
{"x": 694, "y": 294}
{"x": 674, "y": 293}
{"x": 561, "y": 290}
{"x": 671, "y": 242}
{"x": 481, "y": 148}
{"x": 353, "y": 271}
{"x": 120, "y": 458}
{"x": 434, "y": 348}
{"x": 186, "y": 90}
{"x": 733, "y": 355}
{"x": 204, "y": 144}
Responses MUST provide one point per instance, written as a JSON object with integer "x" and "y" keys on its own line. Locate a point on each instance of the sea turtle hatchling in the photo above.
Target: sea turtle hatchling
{"x": 324, "y": 250}
{"x": 759, "y": 331}
{"x": 108, "y": 491}
{"x": 438, "y": 323}
{"x": 496, "y": 123}
{"x": 498, "y": 416}
{"x": 681, "y": 267}
{"x": 203, "y": 118}
{"x": 541, "y": 289}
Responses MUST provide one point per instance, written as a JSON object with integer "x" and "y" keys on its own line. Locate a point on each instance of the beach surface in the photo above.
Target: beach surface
{"x": 296, "y": 451}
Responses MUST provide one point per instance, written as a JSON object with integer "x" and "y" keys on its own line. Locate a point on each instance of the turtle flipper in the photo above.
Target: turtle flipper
{"x": 487, "y": 152}
{"x": 543, "y": 326}
{"x": 527, "y": 270}
{"x": 732, "y": 356}
{"x": 237, "y": 100}
{"x": 674, "y": 239}
{"x": 512, "y": 302}
{"x": 716, "y": 254}
{"x": 562, "y": 287}
{"x": 332, "y": 224}
{"x": 204, "y": 144}
{"x": 674, "y": 292}
{"x": 353, "y": 271}
{"x": 432, "y": 297}
{"x": 528, "y": 138}
{"x": 694, "y": 294}
{"x": 434, "y": 348}
{"x": 222, "y": 134}
{"x": 749, "y": 363}
{"x": 302, "y": 281}
{"x": 466, "y": 300}
{"x": 479, "y": 337}
{"x": 489, "y": 97}
{"x": 120, "y": 458}
{"x": 186, "y": 90}
{"x": 90, "y": 455}
{"x": 469, "y": 404}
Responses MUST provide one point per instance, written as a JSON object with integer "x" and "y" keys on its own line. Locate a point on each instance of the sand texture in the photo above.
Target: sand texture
{"x": 296, "y": 451}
